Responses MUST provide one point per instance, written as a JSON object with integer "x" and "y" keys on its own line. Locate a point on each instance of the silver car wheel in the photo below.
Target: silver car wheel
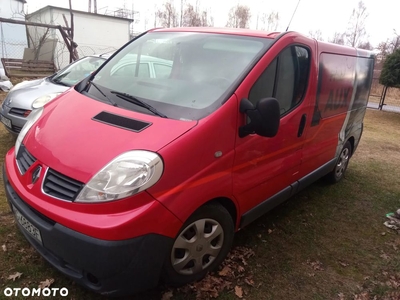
{"x": 197, "y": 246}
{"x": 342, "y": 162}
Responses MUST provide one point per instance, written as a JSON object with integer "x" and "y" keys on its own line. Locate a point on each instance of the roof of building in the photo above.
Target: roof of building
{"x": 23, "y": 1}
{"x": 48, "y": 7}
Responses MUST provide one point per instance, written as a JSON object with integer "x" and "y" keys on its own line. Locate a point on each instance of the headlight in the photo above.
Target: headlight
{"x": 30, "y": 120}
{"x": 8, "y": 100}
{"x": 41, "y": 101}
{"x": 126, "y": 175}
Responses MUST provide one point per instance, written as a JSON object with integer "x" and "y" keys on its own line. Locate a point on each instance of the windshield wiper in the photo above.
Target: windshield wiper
{"x": 105, "y": 96}
{"x": 139, "y": 102}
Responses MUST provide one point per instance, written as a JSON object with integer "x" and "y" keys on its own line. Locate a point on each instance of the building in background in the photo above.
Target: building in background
{"x": 13, "y": 39}
{"x": 94, "y": 33}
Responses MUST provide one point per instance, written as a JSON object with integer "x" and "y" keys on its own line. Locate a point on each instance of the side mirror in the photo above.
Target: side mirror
{"x": 264, "y": 118}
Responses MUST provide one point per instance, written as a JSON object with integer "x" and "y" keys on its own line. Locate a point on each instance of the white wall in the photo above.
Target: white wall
{"x": 12, "y": 36}
{"x": 94, "y": 34}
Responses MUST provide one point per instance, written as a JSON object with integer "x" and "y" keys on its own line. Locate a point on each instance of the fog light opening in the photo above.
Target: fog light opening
{"x": 93, "y": 279}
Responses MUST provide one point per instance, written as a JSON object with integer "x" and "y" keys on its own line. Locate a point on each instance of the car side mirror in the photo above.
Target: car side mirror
{"x": 264, "y": 118}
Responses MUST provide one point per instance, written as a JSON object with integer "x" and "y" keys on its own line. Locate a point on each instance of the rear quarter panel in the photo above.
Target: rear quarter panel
{"x": 335, "y": 88}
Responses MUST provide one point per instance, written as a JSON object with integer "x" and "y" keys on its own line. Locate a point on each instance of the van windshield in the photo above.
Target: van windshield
{"x": 183, "y": 75}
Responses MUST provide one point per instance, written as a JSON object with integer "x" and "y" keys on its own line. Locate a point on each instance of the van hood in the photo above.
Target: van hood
{"x": 70, "y": 139}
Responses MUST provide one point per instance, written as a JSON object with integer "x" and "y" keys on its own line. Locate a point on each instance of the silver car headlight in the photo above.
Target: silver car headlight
{"x": 30, "y": 120}
{"x": 43, "y": 100}
{"x": 126, "y": 175}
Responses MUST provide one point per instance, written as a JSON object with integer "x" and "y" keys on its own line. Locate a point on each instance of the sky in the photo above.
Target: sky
{"x": 312, "y": 15}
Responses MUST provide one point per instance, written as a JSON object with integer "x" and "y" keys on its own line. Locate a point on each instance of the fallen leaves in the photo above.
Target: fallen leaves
{"x": 341, "y": 296}
{"x": 17, "y": 275}
{"x": 239, "y": 291}
{"x": 362, "y": 296}
{"x": 316, "y": 265}
{"x": 393, "y": 281}
{"x": 343, "y": 264}
{"x": 4, "y": 247}
{"x": 249, "y": 281}
{"x": 167, "y": 295}
{"x": 384, "y": 256}
{"x": 45, "y": 284}
{"x": 233, "y": 277}
{"x": 225, "y": 271}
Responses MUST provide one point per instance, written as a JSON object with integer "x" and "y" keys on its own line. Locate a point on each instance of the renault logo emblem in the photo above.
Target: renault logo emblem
{"x": 36, "y": 174}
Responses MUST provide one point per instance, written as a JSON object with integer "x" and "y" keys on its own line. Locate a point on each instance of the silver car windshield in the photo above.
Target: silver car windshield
{"x": 77, "y": 71}
{"x": 184, "y": 75}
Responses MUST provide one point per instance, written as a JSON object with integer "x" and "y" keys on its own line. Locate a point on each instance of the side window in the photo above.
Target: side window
{"x": 162, "y": 71}
{"x": 264, "y": 86}
{"x": 284, "y": 79}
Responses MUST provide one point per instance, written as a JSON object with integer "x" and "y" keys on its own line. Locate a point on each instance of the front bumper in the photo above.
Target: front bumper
{"x": 16, "y": 122}
{"x": 112, "y": 268}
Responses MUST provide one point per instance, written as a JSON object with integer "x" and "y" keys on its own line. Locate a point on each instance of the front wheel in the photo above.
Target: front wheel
{"x": 201, "y": 245}
{"x": 341, "y": 165}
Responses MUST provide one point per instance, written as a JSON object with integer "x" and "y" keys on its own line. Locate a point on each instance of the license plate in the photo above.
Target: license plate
{"x": 28, "y": 226}
{"x": 5, "y": 121}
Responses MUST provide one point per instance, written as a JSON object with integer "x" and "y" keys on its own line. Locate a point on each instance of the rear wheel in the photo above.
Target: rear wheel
{"x": 341, "y": 164}
{"x": 202, "y": 244}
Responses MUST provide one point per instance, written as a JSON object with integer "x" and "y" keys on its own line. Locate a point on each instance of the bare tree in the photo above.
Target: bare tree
{"x": 207, "y": 20}
{"x": 167, "y": 15}
{"x": 239, "y": 17}
{"x": 316, "y": 34}
{"x": 36, "y": 36}
{"x": 388, "y": 47}
{"x": 365, "y": 45}
{"x": 338, "y": 38}
{"x": 192, "y": 17}
{"x": 356, "y": 26}
{"x": 269, "y": 22}
{"x": 181, "y": 21}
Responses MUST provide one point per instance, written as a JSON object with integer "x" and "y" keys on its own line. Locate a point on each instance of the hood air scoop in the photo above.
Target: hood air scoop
{"x": 121, "y": 122}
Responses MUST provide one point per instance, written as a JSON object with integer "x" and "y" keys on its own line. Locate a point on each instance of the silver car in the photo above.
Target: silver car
{"x": 24, "y": 96}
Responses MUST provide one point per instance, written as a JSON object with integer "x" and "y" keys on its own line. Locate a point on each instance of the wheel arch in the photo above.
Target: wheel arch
{"x": 351, "y": 140}
{"x": 229, "y": 205}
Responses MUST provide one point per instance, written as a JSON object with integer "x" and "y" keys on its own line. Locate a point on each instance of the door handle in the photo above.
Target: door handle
{"x": 302, "y": 125}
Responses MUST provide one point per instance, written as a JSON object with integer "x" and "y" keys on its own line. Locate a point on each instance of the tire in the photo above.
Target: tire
{"x": 200, "y": 246}
{"x": 341, "y": 164}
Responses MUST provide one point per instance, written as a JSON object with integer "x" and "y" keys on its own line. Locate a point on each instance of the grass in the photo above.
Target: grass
{"x": 327, "y": 242}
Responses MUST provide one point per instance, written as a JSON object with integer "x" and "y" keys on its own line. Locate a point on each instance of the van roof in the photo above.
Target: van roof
{"x": 233, "y": 31}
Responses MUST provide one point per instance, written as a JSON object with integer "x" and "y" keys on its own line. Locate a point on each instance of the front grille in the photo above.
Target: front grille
{"x": 60, "y": 186}
{"x": 16, "y": 129}
{"x": 19, "y": 112}
{"x": 24, "y": 159}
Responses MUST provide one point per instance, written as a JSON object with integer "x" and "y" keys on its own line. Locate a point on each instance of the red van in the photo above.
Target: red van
{"x": 142, "y": 175}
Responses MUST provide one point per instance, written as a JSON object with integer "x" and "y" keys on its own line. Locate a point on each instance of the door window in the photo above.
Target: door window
{"x": 285, "y": 79}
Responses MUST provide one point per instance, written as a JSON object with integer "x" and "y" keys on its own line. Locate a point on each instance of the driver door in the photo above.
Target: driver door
{"x": 265, "y": 166}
